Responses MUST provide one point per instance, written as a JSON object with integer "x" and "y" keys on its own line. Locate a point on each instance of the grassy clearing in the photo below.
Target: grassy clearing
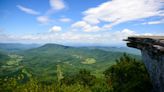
{"x": 89, "y": 61}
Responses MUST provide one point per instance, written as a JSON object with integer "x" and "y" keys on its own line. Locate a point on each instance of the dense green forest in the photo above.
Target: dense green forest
{"x": 58, "y": 68}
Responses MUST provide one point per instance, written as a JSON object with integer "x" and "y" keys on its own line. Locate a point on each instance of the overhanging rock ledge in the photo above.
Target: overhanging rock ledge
{"x": 152, "y": 49}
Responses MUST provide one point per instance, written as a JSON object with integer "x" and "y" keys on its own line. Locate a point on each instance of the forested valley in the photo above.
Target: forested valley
{"x": 58, "y": 68}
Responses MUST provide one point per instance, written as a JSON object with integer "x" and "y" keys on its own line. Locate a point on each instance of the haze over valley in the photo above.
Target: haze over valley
{"x": 81, "y": 45}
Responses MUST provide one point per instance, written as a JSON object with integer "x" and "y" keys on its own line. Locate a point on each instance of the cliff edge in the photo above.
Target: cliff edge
{"x": 152, "y": 49}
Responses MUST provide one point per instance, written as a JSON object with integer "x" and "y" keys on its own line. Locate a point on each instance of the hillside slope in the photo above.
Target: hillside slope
{"x": 15, "y": 47}
{"x": 42, "y": 61}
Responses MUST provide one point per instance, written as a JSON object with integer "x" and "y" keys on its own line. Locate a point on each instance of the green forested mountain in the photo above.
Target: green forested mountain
{"x": 14, "y": 47}
{"x": 59, "y": 68}
{"x": 3, "y": 57}
{"x": 42, "y": 61}
{"x": 117, "y": 49}
{"x": 45, "y": 58}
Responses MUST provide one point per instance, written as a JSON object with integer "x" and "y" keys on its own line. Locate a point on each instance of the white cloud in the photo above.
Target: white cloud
{"x": 86, "y": 27}
{"x": 155, "y": 22}
{"x": 57, "y": 4}
{"x": 80, "y": 24}
{"x": 103, "y": 38}
{"x": 28, "y": 10}
{"x": 114, "y": 12}
{"x": 147, "y": 34}
{"x": 65, "y": 19}
{"x": 91, "y": 19}
{"x": 55, "y": 29}
{"x": 43, "y": 19}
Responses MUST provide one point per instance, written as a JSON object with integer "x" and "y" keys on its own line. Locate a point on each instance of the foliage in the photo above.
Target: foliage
{"x": 59, "y": 73}
{"x": 33, "y": 85}
{"x": 128, "y": 75}
{"x": 3, "y": 57}
{"x": 83, "y": 77}
{"x": 42, "y": 61}
{"x": 57, "y": 68}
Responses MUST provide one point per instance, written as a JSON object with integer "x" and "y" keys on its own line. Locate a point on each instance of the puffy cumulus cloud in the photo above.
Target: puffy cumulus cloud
{"x": 28, "y": 10}
{"x": 119, "y": 35}
{"x": 86, "y": 27}
{"x": 43, "y": 19}
{"x": 55, "y": 29}
{"x": 103, "y": 38}
{"x": 57, "y": 4}
{"x": 64, "y": 19}
{"x": 114, "y": 12}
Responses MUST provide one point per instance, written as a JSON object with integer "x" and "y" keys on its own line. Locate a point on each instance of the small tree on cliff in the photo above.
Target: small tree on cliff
{"x": 128, "y": 75}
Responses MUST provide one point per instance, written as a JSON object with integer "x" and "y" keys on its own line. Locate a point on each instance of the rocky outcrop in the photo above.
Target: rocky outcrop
{"x": 152, "y": 49}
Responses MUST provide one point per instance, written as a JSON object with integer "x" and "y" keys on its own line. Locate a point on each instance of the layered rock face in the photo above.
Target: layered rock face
{"x": 152, "y": 49}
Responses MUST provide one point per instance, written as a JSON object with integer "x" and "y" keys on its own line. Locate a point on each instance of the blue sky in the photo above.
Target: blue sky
{"x": 73, "y": 22}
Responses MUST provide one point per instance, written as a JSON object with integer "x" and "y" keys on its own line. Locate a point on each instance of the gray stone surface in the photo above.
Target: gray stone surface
{"x": 152, "y": 49}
